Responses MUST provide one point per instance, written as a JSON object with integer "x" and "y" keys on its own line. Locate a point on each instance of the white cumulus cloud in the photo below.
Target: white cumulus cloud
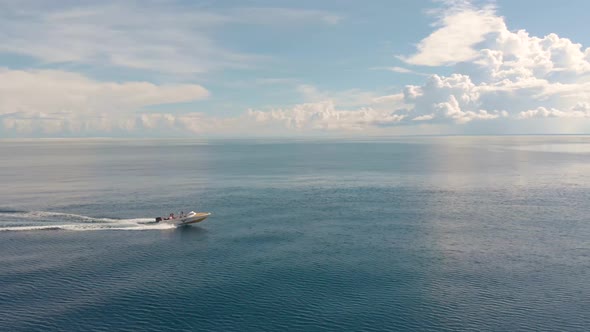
{"x": 498, "y": 73}
{"x": 325, "y": 116}
{"x": 461, "y": 27}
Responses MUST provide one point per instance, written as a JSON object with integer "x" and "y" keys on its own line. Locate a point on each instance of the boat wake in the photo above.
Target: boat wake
{"x": 12, "y": 220}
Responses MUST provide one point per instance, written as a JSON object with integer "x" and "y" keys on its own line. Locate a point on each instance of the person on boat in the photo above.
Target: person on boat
{"x": 171, "y": 216}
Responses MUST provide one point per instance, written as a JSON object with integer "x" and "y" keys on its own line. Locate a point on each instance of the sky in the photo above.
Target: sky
{"x": 283, "y": 68}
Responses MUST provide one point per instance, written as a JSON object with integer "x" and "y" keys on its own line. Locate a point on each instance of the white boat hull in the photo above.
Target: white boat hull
{"x": 191, "y": 218}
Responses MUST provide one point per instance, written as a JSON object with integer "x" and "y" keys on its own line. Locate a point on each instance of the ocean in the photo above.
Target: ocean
{"x": 376, "y": 234}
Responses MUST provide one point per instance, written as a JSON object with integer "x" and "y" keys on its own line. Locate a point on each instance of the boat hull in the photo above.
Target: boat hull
{"x": 193, "y": 219}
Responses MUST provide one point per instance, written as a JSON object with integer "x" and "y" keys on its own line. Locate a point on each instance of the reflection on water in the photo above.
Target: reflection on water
{"x": 563, "y": 148}
{"x": 190, "y": 232}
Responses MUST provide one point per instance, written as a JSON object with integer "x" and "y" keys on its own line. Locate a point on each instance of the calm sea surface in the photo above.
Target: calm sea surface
{"x": 441, "y": 233}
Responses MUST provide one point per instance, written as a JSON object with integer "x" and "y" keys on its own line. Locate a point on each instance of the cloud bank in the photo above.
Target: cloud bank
{"x": 500, "y": 76}
{"x": 57, "y": 102}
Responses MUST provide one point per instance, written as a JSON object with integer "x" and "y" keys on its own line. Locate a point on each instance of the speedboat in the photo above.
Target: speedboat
{"x": 190, "y": 218}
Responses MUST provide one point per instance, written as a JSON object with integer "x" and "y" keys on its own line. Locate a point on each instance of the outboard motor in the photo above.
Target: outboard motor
{"x": 158, "y": 219}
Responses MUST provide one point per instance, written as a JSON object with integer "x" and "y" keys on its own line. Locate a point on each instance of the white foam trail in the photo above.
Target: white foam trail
{"x": 74, "y": 227}
{"x": 81, "y": 223}
{"x": 45, "y": 214}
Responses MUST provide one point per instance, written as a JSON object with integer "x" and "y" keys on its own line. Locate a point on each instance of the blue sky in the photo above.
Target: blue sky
{"x": 293, "y": 68}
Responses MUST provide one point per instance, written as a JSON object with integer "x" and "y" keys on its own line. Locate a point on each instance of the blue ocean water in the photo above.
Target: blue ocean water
{"x": 436, "y": 233}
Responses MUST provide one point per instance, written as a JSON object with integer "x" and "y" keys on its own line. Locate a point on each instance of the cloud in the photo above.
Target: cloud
{"x": 324, "y": 116}
{"x": 351, "y": 98}
{"x": 455, "y": 98}
{"x": 461, "y": 26}
{"x": 401, "y": 70}
{"x": 52, "y": 101}
{"x": 498, "y": 73}
{"x": 171, "y": 37}
{"x": 57, "y": 91}
{"x": 500, "y": 78}
{"x": 581, "y": 110}
{"x": 58, "y": 103}
{"x": 282, "y": 16}
{"x": 301, "y": 119}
